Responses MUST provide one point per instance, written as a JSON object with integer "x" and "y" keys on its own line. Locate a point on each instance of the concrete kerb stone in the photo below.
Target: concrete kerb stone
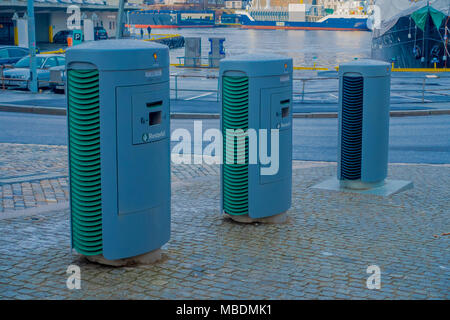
{"x": 31, "y": 109}
{"x": 45, "y": 209}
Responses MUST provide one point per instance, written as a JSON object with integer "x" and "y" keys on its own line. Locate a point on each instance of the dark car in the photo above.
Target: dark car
{"x": 61, "y": 36}
{"x": 100, "y": 33}
{"x": 11, "y": 54}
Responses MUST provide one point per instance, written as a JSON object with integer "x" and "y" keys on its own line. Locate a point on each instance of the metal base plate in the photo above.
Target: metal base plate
{"x": 389, "y": 188}
{"x": 277, "y": 219}
{"x": 146, "y": 258}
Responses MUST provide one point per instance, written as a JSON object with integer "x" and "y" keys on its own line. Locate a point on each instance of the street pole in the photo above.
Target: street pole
{"x": 33, "y": 84}
{"x": 128, "y": 19}
{"x": 119, "y": 29}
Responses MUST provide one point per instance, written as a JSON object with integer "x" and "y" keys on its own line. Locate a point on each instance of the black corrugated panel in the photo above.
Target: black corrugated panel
{"x": 352, "y": 122}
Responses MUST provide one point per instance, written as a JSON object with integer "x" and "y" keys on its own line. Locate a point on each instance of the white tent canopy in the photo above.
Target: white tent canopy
{"x": 392, "y": 10}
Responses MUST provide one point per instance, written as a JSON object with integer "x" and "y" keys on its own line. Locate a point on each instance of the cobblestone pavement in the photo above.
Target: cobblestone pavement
{"x": 36, "y": 175}
{"x": 32, "y": 175}
{"x": 323, "y": 251}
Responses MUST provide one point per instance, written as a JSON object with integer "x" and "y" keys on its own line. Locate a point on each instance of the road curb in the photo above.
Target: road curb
{"x": 42, "y": 210}
{"x": 418, "y": 113}
{"x": 32, "y": 109}
{"x": 318, "y": 115}
{"x": 195, "y": 116}
{"x": 200, "y": 116}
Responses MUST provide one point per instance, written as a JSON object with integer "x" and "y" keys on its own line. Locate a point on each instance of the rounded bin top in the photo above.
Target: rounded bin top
{"x": 119, "y": 54}
{"x": 257, "y": 65}
{"x": 366, "y": 68}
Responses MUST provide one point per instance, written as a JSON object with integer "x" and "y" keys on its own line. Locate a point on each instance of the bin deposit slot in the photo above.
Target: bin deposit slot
{"x": 154, "y": 104}
{"x": 155, "y": 118}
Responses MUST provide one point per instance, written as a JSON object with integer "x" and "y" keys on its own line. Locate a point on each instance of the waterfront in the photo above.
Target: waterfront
{"x": 326, "y": 48}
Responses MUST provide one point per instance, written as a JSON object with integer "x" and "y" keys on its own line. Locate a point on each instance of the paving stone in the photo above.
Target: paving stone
{"x": 322, "y": 251}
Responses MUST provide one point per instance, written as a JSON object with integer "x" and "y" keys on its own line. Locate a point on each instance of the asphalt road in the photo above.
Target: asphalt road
{"x": 412, "y": 139}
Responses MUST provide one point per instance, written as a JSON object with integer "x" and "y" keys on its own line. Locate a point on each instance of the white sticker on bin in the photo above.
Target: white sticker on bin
{"x": 153, "y": 73}
{"x": 284, "y": 78}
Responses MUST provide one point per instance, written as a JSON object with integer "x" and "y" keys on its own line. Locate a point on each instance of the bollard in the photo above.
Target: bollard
{"x": 217, "y": 52}
{"x": 192, "y": 51}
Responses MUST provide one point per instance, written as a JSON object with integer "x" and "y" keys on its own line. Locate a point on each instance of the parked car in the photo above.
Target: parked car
{"x": 58, "y": 78}
{"x": 100, "y": 33}
{"x": 11, "y": 54}
{"x": 19, "y": 76}
{"x": 61, "y": 36}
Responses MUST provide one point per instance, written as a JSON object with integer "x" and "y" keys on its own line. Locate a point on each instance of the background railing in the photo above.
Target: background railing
{"x": 306, "y": 88}
{"x": 415, "y": 88}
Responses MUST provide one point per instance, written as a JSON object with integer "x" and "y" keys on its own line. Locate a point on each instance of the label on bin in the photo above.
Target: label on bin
{"x": 153, "y": 73}
{"x": 284, "y": 78}
{"x": 149, "y": 137}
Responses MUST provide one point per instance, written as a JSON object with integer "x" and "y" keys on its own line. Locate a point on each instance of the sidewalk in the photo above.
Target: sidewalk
{"x": 33, "y": 176}
{"x": 55, "y": 104}
{"x": 323, "y": 250}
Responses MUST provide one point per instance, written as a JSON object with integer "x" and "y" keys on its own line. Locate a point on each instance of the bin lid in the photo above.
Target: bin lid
{"x": 366, "y": 67}
{"x": 257, "y": 65}
{"x": 119, "y": 54}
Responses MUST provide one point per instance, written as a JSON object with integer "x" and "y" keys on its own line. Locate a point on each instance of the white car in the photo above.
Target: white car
{"x": 58, "y": 78}
{"x": 19, "y": 76}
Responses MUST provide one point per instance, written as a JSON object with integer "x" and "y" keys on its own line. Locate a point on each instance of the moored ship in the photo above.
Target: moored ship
{"x": 172, "y": 18}
{"x": 297, "y": 16}
{"x": 304, "y": 17}
{"x": 411, "y": 34}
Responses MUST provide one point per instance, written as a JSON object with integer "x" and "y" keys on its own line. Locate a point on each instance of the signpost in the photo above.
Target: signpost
{"x": 33, "y": 84}
{"x": 119, "y": 29}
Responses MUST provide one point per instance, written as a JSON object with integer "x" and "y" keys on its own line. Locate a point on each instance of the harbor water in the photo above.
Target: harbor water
{"x": 325, "y": 48}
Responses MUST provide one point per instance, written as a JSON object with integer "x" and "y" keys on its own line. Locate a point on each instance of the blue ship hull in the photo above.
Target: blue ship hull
{"x": 407, "y": 46}
{"x": 335, "y": 24}
{"x": 172, "y": 19}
